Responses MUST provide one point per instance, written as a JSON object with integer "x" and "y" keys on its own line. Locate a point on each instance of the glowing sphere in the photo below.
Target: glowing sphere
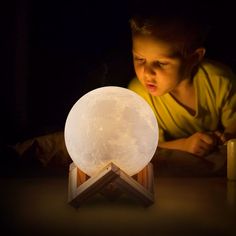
{"x": 111, "y": 124}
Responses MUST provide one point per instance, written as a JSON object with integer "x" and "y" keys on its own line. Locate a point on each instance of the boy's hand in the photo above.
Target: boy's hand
{"x": 200, "y": 143}
{"x": 222, "y": 138}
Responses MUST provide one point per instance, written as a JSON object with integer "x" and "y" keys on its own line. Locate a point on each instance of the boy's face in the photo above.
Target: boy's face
{"x": 156, "y": 66}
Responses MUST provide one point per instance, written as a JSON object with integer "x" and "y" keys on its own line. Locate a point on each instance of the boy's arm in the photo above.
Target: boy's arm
{"x": 228, "y": 111}
{"x": 199, "y": 144}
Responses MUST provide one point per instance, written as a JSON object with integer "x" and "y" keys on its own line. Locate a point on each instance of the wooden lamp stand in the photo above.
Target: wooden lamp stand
{"x": 111, "y": 181}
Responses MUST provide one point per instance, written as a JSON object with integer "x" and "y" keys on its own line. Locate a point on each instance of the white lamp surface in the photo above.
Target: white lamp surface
{"x": 111, "y": 124}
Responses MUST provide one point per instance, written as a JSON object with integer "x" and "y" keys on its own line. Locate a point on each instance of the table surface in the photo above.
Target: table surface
{"x": 183, "y": 205}
{"x": 192, "y": 197}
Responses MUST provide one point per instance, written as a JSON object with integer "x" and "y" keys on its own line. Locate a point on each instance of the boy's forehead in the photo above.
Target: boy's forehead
{"x": 152, "y": 47}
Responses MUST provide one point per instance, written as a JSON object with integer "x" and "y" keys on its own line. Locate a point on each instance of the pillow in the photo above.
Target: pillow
{"x": 49, "y": 150}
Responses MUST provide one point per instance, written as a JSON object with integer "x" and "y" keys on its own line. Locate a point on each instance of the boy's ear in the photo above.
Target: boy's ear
{"x": 199, "y": 54}
{"x": 196, "y": 57}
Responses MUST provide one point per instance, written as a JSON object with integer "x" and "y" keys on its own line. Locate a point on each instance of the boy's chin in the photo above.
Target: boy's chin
{"x": 156, "y": 93}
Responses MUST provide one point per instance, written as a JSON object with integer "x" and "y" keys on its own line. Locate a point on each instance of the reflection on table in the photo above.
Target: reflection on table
{"x": 192, "y": 197}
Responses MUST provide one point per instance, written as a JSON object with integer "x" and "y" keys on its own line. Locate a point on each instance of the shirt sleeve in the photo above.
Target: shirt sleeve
{"x": 228, "y": 108}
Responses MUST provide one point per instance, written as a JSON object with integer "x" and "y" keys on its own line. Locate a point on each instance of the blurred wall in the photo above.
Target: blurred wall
{"x": 56, "y": 51}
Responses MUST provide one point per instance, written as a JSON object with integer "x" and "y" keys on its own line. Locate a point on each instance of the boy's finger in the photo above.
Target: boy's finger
{"x": 203, "y": 149}
{"x": 207, "y": 139}
{"x": 218, "y": 133}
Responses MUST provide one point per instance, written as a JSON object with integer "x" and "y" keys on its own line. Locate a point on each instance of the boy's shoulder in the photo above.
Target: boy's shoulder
{"x": 216, "y": 68}
{"x": 216, "y": 75}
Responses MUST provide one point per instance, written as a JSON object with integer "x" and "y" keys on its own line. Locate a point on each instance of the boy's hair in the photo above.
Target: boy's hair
{"x": 183, "y": 30}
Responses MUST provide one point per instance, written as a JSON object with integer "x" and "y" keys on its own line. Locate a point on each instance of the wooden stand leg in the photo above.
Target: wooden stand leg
{"x": 111, "y": 182}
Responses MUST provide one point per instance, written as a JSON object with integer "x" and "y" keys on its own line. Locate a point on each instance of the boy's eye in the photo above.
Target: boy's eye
{"x": 140, "y": 60}
{"x": 159, "y": 64}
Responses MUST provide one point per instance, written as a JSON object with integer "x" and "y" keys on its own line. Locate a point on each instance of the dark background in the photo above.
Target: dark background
{"x": 53, "y": 52}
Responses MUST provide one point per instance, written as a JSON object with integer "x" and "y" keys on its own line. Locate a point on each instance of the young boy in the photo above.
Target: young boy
{"x": 194, "y": 100}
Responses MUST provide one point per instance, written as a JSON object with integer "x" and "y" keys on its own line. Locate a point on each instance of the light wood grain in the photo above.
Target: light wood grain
{"x": 111, "y": 182}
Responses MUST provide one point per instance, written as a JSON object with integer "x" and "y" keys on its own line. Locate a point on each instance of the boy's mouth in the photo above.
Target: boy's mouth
{"x": 151, "y": 87}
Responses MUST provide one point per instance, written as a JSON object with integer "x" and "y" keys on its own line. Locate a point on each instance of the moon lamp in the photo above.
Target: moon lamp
{"x": 111, "y": 135}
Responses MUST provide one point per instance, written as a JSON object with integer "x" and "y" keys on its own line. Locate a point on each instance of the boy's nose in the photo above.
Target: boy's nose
{"x": 150, "y": 79}
{"x": 148, "y": 71}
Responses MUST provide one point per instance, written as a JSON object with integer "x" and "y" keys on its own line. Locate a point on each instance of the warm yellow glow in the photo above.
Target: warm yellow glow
{"x": 111, "y": 124}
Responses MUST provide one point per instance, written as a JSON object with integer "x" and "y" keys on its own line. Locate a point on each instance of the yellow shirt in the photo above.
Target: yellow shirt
{"x": 215, "y": 103}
